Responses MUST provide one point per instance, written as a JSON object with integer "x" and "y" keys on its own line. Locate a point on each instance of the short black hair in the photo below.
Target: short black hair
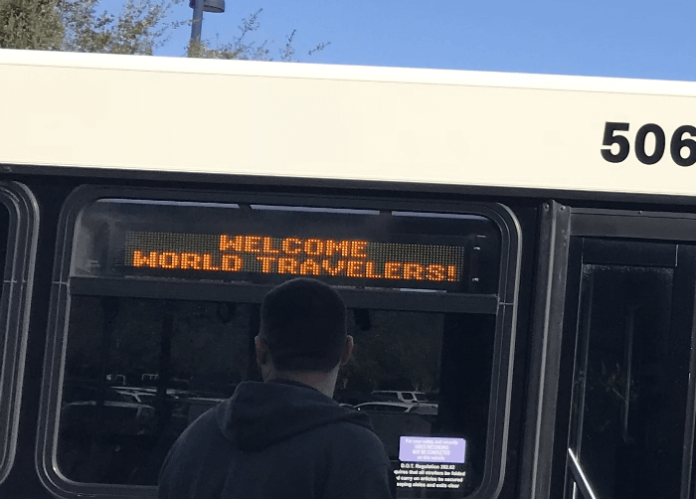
{"x": 303, "y": 321}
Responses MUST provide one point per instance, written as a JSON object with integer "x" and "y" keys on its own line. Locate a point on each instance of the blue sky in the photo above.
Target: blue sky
{"x": 635, "y": 39}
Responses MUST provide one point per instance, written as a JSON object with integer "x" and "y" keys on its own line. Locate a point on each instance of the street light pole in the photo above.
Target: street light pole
{"x": 198, "y": 6}
{"x": 197, "y": 23}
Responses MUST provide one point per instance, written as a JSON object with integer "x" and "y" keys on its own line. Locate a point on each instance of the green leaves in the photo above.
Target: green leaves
{"x": 140, "y": 28}
{"x": 30, "y": 24}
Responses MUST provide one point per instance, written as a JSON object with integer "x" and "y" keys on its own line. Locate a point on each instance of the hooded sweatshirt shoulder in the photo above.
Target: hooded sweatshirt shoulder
{"x": 275, "y": 440}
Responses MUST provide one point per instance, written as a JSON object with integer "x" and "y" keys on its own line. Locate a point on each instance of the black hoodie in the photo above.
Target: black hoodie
{"x": 280, "y": 440}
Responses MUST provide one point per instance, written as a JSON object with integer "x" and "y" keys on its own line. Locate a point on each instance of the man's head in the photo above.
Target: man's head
{"x": 303, "y": 328}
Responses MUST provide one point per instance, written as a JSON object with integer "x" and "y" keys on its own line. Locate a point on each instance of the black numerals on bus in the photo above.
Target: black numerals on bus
{"x": 659, "y": 135}
{"x": 610, "y": 139}
{"x": 682, "y": 146}
{"x": 678, "y": 144}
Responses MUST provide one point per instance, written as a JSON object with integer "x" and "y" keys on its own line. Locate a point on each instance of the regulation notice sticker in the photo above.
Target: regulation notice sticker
{"x": 432, "y": 450}
{"x": 435, "y": 464}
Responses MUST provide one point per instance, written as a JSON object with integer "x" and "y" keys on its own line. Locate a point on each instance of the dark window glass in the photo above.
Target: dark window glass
{"x": 138, "y": 371}
{"x": 9, "y": 348}
{"x": 143, "y": 363}
{"x": 4, "y": 236}
{"x": 625, "y": 430}
{"x": 18, "y": 231}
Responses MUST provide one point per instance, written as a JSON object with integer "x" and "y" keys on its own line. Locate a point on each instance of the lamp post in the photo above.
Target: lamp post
{"x": 198, "y": 6}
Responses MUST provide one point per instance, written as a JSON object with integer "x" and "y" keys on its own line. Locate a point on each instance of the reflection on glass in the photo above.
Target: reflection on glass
{"x": 4, "y": 236}
{"x": 625, "y": 407}
{"x": 5, "y": 402}
{"x": 139, "y": 371}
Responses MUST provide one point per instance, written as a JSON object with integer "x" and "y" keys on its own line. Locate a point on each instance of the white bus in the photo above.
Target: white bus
{"x": 519, "y": 248}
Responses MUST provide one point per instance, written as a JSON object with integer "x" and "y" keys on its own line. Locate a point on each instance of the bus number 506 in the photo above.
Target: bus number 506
{"x": 680, "y": 144}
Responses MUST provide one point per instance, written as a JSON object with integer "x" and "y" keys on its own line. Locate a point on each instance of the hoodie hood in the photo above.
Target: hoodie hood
{"x": 259, "y": 415}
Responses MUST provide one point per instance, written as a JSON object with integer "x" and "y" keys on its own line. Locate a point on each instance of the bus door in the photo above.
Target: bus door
{"x": 625, "y": 419}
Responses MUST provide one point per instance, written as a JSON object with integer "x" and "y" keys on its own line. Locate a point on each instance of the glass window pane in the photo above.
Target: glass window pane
{"x": 9, "y": 352}
{"x": 624, "y": 424}
{"x": 138, "y": 371}
{"x": 18, "y": 232}
{"x": 4, "y": 236}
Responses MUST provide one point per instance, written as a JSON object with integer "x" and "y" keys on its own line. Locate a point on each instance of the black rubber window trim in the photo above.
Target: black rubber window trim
{"x": 14, "y": 310}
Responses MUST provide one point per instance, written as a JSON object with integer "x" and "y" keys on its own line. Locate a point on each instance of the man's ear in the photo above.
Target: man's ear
{"x": 347, "y": 350}
{"x": 261, "y": 348}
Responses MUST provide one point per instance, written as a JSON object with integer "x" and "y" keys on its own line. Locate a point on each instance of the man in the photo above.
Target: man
{"x": 285, "y": 438}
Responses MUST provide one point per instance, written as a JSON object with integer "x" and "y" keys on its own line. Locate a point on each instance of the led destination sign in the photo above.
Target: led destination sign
{"x": 301, "y": 256}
